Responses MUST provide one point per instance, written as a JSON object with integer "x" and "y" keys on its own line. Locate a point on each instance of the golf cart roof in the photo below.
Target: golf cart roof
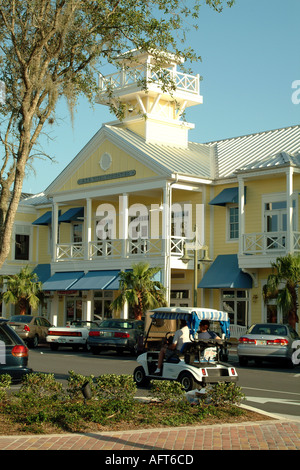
{"x": 185, "y": 313}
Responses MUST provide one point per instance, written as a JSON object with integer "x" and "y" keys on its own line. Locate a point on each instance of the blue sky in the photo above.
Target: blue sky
{"x": 250, "y": 59}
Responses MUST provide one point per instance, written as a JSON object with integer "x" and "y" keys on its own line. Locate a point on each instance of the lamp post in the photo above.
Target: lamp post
{"x": 195, "y": 246}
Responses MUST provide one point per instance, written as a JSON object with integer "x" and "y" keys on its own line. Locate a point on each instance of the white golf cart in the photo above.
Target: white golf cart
{"x": 200, "y": 362}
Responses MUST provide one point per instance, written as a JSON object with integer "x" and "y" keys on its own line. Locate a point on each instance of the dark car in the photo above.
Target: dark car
{"x": 13, "y": 353}
{"x": 33, "y": 330}
{"x": 117, "y": 335}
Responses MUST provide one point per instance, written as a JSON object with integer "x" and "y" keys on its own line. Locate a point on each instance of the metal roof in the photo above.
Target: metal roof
{"x": 233, "y": 154}
{"x": 195, "y": 160}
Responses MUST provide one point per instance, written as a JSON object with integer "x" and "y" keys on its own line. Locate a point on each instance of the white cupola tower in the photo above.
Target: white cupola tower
{"x": 154, "y": 113}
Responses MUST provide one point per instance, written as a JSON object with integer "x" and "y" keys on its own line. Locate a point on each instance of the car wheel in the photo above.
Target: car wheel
{"x": 243, "y": 361}
{"x": 34, "y": 342}
{"x": 95, "y": 350}
{"x": 53, "y": 346}
{"x": 187, "y": 381}
{"x": 139, "y": 377}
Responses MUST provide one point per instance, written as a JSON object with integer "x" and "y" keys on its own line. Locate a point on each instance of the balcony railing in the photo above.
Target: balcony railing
{"x": 117, "y": 249}
{"x": 263, "y": 243}
{"x": 147, "y": 74}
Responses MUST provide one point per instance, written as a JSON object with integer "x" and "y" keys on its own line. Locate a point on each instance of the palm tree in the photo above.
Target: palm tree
{"x": 283, "y": 284}
{"x": 22, "y": 289}
{"x": 140, "y": 290}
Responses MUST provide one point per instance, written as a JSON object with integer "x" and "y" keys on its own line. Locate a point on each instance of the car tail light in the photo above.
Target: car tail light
{"x": 203, "y": 371}
{"x": 19, "y": 351}
{"x": 119, "y": 334}
{"x": 26, "y": 328}
{"x": 94, "y": 333}
{"x": 245, "y": 340}
{"x": 278, "y": 341}
{"x": 64, "y": 333}
{"x": 233, "y": 371}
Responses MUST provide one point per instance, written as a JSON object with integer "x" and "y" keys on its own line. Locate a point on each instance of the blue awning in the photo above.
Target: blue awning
{"x": 225, "y": 273}
{"x": 43, "y": 272}
{"x": 45, "y": 219}
{"x": 96, "y": 280}
{"x": 72, "y": 214}
{"x": 227, "y": 196}
{"x": 63, "y": 280}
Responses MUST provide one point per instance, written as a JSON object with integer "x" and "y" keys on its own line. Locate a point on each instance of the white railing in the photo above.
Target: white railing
{"x": 262, "y": 243}
{"x": 236, "y": 331}
{"x": 147, "y": 74}
{"x": 67, "y": 251}
{"x": 119, "y": 249}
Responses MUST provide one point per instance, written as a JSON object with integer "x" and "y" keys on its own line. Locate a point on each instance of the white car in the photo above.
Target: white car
{"x": 199, "y": 364}
{"x": 74, "y": 335}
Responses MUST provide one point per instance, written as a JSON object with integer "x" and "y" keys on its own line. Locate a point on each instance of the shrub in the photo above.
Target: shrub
{"x": 118, "y": 387}
{"x": 39, "y": 386}
{"x": 167, "y": 391}
{"x": 76, "y": 382}
{"x": 5, "y": 383}
{"x": 225, "y": 394}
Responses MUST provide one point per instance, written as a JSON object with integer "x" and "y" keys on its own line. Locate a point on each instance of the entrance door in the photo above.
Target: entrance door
{"x": 74, "y": 309}
{"x": 180, "y": 298}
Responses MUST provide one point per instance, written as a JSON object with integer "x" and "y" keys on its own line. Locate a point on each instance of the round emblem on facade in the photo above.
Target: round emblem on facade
{"x": 105, "y": 161}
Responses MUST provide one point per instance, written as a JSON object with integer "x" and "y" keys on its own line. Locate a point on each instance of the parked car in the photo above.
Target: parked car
{"x": 13, "y": 353}
{"x": 33, "y": 330}
{"x": 267, "y": 342}
{"x": 75, "y": 334}
{"x": 117, "y": 335}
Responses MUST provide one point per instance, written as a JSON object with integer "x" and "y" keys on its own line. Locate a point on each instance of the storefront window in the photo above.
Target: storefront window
{"x": 236, "y": 303}
{"x": 102, "y": 302}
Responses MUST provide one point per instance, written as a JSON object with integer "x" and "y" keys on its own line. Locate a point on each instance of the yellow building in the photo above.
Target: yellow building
{"x": 212, "y": 216}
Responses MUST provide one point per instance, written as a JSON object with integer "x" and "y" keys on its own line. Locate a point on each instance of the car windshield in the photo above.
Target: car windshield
{"x": 21, "y": 318}
{"x": 116, "y": 324}
{"x": 263, "y": 329}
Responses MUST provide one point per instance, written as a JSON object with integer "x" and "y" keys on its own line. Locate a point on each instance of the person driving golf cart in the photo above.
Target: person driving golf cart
{"x": 168, "y": 350}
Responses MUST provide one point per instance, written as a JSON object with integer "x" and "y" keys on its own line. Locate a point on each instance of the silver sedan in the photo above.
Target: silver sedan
{"x": 269, "y": 342}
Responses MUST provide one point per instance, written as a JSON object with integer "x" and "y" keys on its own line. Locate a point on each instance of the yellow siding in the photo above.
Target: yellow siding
{"x": 121, "y": 161}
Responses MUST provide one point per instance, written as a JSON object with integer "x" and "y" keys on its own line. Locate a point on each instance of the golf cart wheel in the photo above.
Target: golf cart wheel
{"x": 187, "y": 381}
{"x": 139, "y": 376}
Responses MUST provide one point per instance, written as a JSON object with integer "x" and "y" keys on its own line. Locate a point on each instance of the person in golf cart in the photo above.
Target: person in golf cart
{"x": 204, "y": 331}
{"x": 168, "y": 350}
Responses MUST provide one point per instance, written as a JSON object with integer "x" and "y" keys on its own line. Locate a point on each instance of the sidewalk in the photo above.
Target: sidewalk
{"x": 277, "y": 434}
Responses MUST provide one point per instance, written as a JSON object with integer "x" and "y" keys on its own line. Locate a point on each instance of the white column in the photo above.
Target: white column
{"x": 54, "y": 309}
{"x": 88, "y": 227}
{"x": 289, "y": 207}
{"x": 123, "y": 223}
{"x": 241, "y": 214}
{"x": 124, "y": 312}
{"x": 54, "y": 230}
{"x": 166, "y": 239}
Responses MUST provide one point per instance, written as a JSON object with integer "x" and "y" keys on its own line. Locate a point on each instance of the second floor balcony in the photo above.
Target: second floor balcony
{"x": 261, "y": 248}
{"x": 113, "y": 249}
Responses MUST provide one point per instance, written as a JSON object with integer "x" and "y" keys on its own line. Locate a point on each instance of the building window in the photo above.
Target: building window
{"x": 102, "y": 302}
{"x": 77, "y": 233}
{"x": 22, "y": 247}
{"x": 236, "y": 303}
{"x": 233, "y": 222}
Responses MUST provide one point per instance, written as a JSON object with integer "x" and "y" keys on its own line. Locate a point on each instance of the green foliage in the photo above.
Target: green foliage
{"x": 225, "y": 395}
{"x": 76, "y": 382}
{"x": 139, "y": 290}
{"x": 40, "y": 387}
{"x": 166, "y": 390}
{"x": 22, "y": 289}
{"x": 41, "y": 403}
{"x": 5, "y": 383}
{"x": 115, "y": 387}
